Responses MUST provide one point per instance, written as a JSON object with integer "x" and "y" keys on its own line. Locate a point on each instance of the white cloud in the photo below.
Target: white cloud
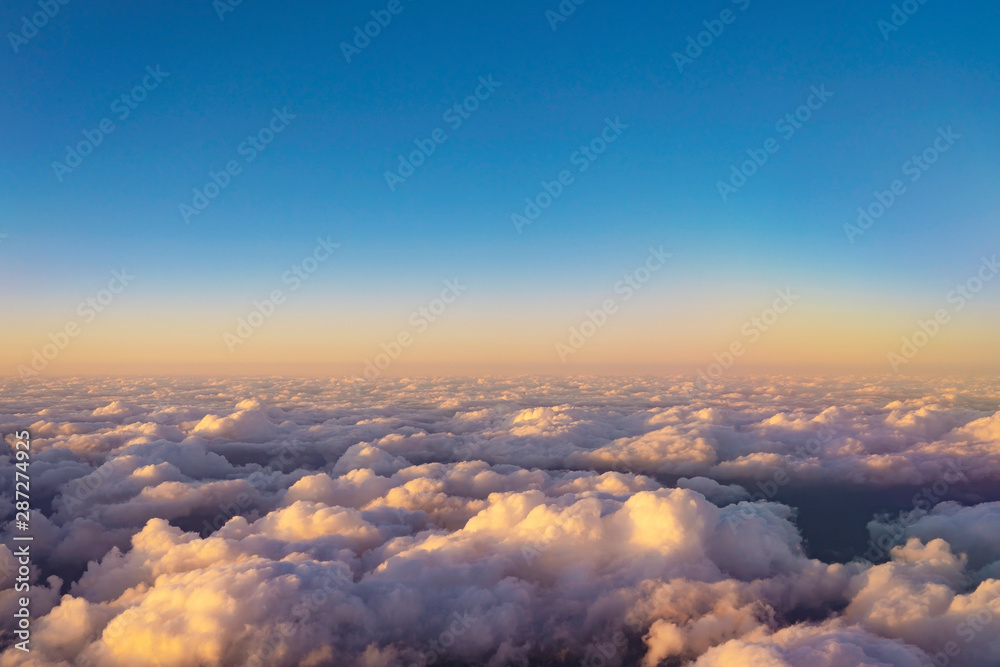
{"x": 500, "y": 521}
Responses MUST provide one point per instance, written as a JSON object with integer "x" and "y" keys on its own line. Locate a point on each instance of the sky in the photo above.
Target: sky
{"x": 681, "y": 115}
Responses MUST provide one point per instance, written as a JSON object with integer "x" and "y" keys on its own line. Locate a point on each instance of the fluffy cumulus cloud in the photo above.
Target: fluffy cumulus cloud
{"x": 524, "y": 521}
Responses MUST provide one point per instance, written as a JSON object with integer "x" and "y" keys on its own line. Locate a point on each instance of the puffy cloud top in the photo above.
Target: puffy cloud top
{"x": 506, "y": 521}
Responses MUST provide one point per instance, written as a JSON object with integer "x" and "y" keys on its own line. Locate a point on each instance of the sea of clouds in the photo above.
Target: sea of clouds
{"x": 187, "y": 522}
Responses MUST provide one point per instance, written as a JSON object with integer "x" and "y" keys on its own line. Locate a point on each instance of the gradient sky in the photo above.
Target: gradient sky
{"x": 323, "y": 176}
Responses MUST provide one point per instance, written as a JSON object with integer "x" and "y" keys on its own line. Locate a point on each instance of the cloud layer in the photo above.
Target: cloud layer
{"x": 518, "y": 521}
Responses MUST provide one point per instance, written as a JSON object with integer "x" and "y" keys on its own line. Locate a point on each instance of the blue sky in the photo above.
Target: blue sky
{"x": 324, "y": 174}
